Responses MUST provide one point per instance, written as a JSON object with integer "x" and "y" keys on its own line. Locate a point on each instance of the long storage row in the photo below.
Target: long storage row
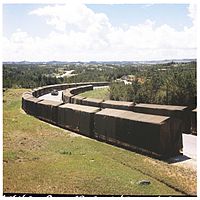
{"x": 71, "y": 96}
{"x": 47, "y": 89}
{"x": 149, "y": 128}
{"x": 144, "y": 132}
{"x": 179, "y": 114}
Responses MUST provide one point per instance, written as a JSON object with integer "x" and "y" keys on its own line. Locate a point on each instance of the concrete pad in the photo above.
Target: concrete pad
{"x": 188, "y": 159}
{"x": 190, "y": 146}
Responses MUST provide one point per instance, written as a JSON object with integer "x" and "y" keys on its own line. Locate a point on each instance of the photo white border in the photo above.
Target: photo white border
{"x": 102, "y": 2}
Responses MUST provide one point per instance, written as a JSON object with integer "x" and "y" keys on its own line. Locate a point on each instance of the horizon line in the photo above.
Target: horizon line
{"x": 168, "y": 59}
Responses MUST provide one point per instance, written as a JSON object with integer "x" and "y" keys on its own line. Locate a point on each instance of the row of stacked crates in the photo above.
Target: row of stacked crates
{"x": 149, "y": 127}
{"x": 179, "y": 114}
{"x": 151, "y": 133}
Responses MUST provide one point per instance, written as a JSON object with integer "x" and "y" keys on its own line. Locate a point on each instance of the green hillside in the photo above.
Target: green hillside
{"x": 41, "y": 158}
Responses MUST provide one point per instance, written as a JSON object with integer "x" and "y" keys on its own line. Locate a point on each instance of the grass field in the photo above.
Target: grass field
{"x": 102, "y": 93}
{"x": 41, "y": 158}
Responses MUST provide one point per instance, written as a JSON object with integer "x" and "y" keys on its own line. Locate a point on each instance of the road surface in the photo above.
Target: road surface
{"x": 190, "y": 146}
{"x": 52, "y": 97}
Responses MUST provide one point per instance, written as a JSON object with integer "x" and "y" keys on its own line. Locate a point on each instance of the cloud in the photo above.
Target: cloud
{"x": 71, "y": 16}
{"x": 192, "y": 11}
{"x": 78, "y": 33}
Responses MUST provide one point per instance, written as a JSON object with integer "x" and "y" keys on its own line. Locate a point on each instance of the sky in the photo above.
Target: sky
{"x": 98, "y": 32}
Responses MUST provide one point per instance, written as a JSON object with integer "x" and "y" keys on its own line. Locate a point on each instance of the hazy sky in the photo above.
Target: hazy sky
{"x": 85, "y": 32}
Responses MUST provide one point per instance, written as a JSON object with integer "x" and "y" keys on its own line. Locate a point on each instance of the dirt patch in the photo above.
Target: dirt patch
{"x": 28, "y": 143}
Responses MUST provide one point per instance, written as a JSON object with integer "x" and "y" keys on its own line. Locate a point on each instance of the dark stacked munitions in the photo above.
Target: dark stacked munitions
{"x": 92, "y": 102}
{"x": 25, "y": 97}
{"x": 77, "y": 118}
{"x": 37, "y": 92}
{"x": 77, "y": 99}
{"x": 71, "y": 92}
{"x": 29, "y": 103}
{"x": 152, "y": 133}
{"x": 177, "y": 113}
{"x": 150, "y": 128}
{"x": 81, "y": 89}
{"x": 123, "y": 105}
{"x": 66, "y": 96}
{"x": 98, "y": 84}
{"x": 194, "y": 122}
{"x": 47, "y": 89}
{"x": 48, "y": 110}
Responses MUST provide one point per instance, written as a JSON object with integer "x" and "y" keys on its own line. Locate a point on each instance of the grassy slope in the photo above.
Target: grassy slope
{"x": 40, "y": 158}
{"x": 102, "y": 93}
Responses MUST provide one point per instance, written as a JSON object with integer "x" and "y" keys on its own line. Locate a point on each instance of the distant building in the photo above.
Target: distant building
{"x": 128, "y": 79}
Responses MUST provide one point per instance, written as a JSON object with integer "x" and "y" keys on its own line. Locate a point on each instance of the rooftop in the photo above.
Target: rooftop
{"x": 122, "y": 103}
{"x": 50, "y": 102}
{"x": 158, "y": 106}
{"x": 89, "y": 109}
{"x": 140, "y": 117}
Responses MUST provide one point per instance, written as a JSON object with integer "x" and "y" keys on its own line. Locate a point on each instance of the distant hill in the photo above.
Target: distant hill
{"x": 105, "y": 62}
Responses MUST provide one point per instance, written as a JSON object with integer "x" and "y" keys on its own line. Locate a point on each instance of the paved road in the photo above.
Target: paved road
{"x": 59, "y": 96}
{"x": 52, "y": 97}
{"x": 188, "y": 159}
{"x": 190, "y": 146}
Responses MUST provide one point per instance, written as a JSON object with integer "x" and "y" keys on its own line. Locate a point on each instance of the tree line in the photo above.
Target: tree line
{"x": 28, "y": 76}
{"x": 171, "y": 85}
{"x": 31, "y": 76}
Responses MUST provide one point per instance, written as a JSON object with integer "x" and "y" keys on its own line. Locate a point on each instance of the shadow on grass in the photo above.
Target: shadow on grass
{"x": 177, "y": 159}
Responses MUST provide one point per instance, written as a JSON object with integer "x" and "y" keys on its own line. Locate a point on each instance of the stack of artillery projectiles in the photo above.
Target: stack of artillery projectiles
{"x": 77, "y": 99}
{"x": 77, "y": 118}
{"x": 152, "y": 133}
{"x": 123, "y": 105}
{"x": 48, "y": 110}
{"x": 152, "y": 128}
{"x": 92, "y": 102}
{"x": 29, "y": 103}
{"x": 68, "y": 95}
{"x": 179, "y": 114}
{"x": 194, "y": 122}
